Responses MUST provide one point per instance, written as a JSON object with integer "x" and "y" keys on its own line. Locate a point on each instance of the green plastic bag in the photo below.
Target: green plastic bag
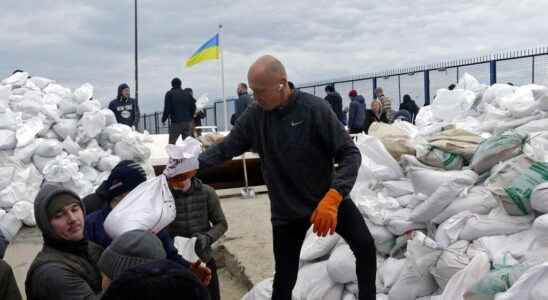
{"x": 522, "y": 187}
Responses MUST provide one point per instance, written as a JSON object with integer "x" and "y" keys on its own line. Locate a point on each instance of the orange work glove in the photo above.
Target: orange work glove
{"x": 324, "y": 217}
{"x": 202, "y": 272}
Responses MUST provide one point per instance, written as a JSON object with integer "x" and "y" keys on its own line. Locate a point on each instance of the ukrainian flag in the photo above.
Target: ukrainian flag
{"x": 209, "y": 50}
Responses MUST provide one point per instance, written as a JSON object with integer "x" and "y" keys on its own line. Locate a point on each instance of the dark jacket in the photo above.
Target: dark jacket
{"x": 356, "y": 113}
{"x": 242, "y": 103}
{"x": 8, "y": 285}
{"x": 179, "y": 106}
{"x": 3, "y": 244}
{"x": 335, "y": 100}
{"x": 411, "y": 107}
{"x": 60, "y": 272}
{"x": 371, "y": 118}
{"x": 298, "y": 145}
{"x": 198, "y": 212}
{"x": 95, "y": 232}
{"x": 126, "y": 110}
{"x": 198, "y": 117}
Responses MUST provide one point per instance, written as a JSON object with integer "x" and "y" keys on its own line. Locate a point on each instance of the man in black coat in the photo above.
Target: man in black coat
{"x": 180, "y": 107}
{"x": 335, "y": 100}
{"x": 241, "y": 104}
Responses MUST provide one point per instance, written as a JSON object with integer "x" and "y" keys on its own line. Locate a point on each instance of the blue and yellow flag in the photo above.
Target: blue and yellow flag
{"x": 209, "y": 50}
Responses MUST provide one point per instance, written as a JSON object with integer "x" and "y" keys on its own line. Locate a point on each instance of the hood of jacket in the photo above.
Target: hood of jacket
{"x": 121, "y": 87}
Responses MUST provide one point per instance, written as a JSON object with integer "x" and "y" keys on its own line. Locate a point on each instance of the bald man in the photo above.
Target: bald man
{"x": 299, "y": 139}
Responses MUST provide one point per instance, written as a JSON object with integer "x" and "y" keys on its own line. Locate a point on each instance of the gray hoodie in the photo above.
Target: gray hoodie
{"x": 62, "y": 270}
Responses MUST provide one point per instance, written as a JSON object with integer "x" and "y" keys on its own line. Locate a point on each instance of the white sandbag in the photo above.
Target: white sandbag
{"x": 116, "y": 132}
{"x": 6, "y": 175}
{"x": 427, "y": 181}
{"x": 536, "y": 147}
{"x": 150, "y": 206}
{"x": 24, "y": 211}
{"x": 52, "y": 99}
{"x": 71, "y": 147}
{"x": 108, "y": 162}
{"x": 534, "y": 126}
{"x": 507, "y": 250}
{"x": 10, "y": 226}
{"x": 396, "y": 140}
{"x": 81, "y": 186}
{"x": 17, "y": 79}
{"x": 410, "y": 161}
{"x": 89, "y": 173}
{"x": 391, "y": 270}
{"x": 521, "y": 188}
{"x": 520, "y": 104}
{"x": 384, "y": 239}
{"x": 496, "y": 223}
{"x": 377, "y": 159}
{"x": 110, "y": 118}
{"x": 313, "y": 283}
{"x": 531, "y": 285}
{"x": 452, "y": 260}
{"x": 397, "y": 188}
{"x": 415, "y": 280}
{"x": 348, "y": 296}
{"x": 40, "y": 82}
{"x": 50, "y": 134}
{"x": 67, "y": 107}
{"x": 10, "y": 120}
{"x": 465, "y": 278}
{"x": 88, "y": 106}
{"x": 509, "y": 124}
{"x": 13, "y": 193}
{"x": 66, "y": 128}
{"x": 441, "y": 198}
{"x": 49, "y": 148}
{"x": 8, "y": 140}
{"x": 186, "y": 248}
{"x": 261, "y": 291}
{"x": 83, "y": 93}
{"x": 470, "y": 83}
{"x": 315, "y": 247}
{"x": 54, "y": 88}
{"x": 5, "y": 94}
{"x": 439, "y": 159}
{"x": 93, "y": 123}
{"x": 398, "y": 222}
{"x": 61, "y": 169}
{"x": 341, "y": 265}
{"x": 26, "y": 133}
{"x": 449, "y": 231}
{"x": 497, "y": 91}
{"x": 451, "y": 104}
{"x": 91, "y": 156}
{"x": 500, "y": 147}
{"x": 411, "y": 200}
{"x": 375, "y": 206}
{"x": 130, "y": 149}
{"x": 478, "y": 200}
{"x": 40, "y": 161}
{"x": 540, "y": 230}
{"x": 30, "y": 180}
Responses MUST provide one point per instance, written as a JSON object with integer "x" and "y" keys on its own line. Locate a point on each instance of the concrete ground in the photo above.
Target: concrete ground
{"x": 246, "y": 248}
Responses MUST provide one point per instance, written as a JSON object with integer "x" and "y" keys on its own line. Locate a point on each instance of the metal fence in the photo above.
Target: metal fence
{"x": 420, "y": 82}
{"x": 152, "y": 122}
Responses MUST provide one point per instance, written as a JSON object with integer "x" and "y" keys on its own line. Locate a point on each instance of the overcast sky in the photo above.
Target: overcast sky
{"x": 75, "y": 42}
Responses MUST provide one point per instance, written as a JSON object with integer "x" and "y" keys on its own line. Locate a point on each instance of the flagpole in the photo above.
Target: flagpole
{"x": 223, "y": 76}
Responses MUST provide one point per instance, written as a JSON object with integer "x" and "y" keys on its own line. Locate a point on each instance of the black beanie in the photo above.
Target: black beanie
{"x": 126, "y": 176}
{"x": 176, "y": 82}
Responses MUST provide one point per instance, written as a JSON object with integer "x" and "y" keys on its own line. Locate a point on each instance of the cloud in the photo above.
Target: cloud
{"x": 92, "y": 41}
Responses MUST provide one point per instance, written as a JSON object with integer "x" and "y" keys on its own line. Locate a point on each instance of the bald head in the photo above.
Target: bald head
{"x": 268, "y": 80}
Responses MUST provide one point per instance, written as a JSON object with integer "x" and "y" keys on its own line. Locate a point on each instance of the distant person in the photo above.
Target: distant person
{"x": 66, "y": 267}
{"x": 198, "y": 116}
{"x": 335, "y": 100}
{"x": 17, "y": 71}
{"x": 452, "y": 86}
{"x": 386, "y": 103}
{"x": 156, "y": 280}
{"x": 403, "y": 115}
{"x": 242, "y": 102}
{"x": 8, "y": 285}
{"x": 179, "y": 107}
{"x": 375, "y": 114}
{"x": 125, "y": 108}
{"x": 510, "y": 83}
{"x": 291, "y": 86}
{"x": 410, "y": 106}
{"x": 356, "y": 112}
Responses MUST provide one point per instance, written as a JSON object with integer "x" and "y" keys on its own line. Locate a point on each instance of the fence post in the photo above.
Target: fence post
{"x": 426, "y": 88}
{"x": 374, "y": 86}
{"x": 144, "y": 122}
{"x": 156, "y": 123}
{"x": 533, "y": 71}
{"x": 399, "y": 89}
{"x": 493, "y": 71}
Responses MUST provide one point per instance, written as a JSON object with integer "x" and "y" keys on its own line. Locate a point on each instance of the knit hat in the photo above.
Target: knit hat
{"x": 353, "y": 93}
{"x": 129, "y": 250}
{"x": 126, "y": 176}
{"x": 60, "y": 201}
{"x": 160, "y": 279}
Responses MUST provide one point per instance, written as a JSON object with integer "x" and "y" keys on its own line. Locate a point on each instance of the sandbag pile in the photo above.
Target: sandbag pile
{"x": 457, "y": 205}
{"x": 50, "y": 133}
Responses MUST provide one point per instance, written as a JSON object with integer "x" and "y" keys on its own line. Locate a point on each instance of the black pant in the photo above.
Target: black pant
{"x": 183, "y": 129}
{"x": 355, "y": 130}
{"x": 288, "y": 240}
{"x": 213, "y": 287}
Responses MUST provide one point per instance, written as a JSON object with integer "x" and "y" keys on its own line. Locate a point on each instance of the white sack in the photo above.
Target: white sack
{"x": 110, "y": 118}
{"x": 452, "y": 104}
{"x": 71, "y": 147}
{"x": 10, "y": 226}
{"x": 90, "y": 156}
{"x": 61, "y": 169}
{"x": 391, "y": 270}
{"x": 497, "y": 148}
{"x": 49, "y": 148}
{"x": 496, "y": 223}
{"x": 24, "y": 211}
{"x": 26, "y": 133}
{"x": 131, "y": 149}
{"x": 8, "y": 140}
{"x": 341, "y": 265}
{"x": 17, "y": 79}
{"x": 497, "y": 91}
{"x": 88, "y": 106}
{"x": 108, "y": 162}
{"x": 464, "y": 279}
{"x": 534, "y": 126}
{"x": 67, "y": 107}
{"x": 150, "y": 206}
{"x": 427, "y": 181}
{"x": 384, "y": 239}
{"x": 315, "y": 247}
{"x": 397, "y": 188}
{"x": 398, "y": 222}
{"x": 10, "y": 120}
{"x": 376, "y": 159}
{"x": 92, "y": 123}
{"x": 313, "y": 283}
{"x": 40, "y": 82}
{"x": 261, "y": 291}
{"x": 83, "y": 93}
{"x": 478, "y": 200}
{"x": 66, "y": 128}
{"x": 531, "y": 285}
{"x": 116, "y": 132}
{"x": 186, "y": 248}
{"x": 452, "y": 260}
